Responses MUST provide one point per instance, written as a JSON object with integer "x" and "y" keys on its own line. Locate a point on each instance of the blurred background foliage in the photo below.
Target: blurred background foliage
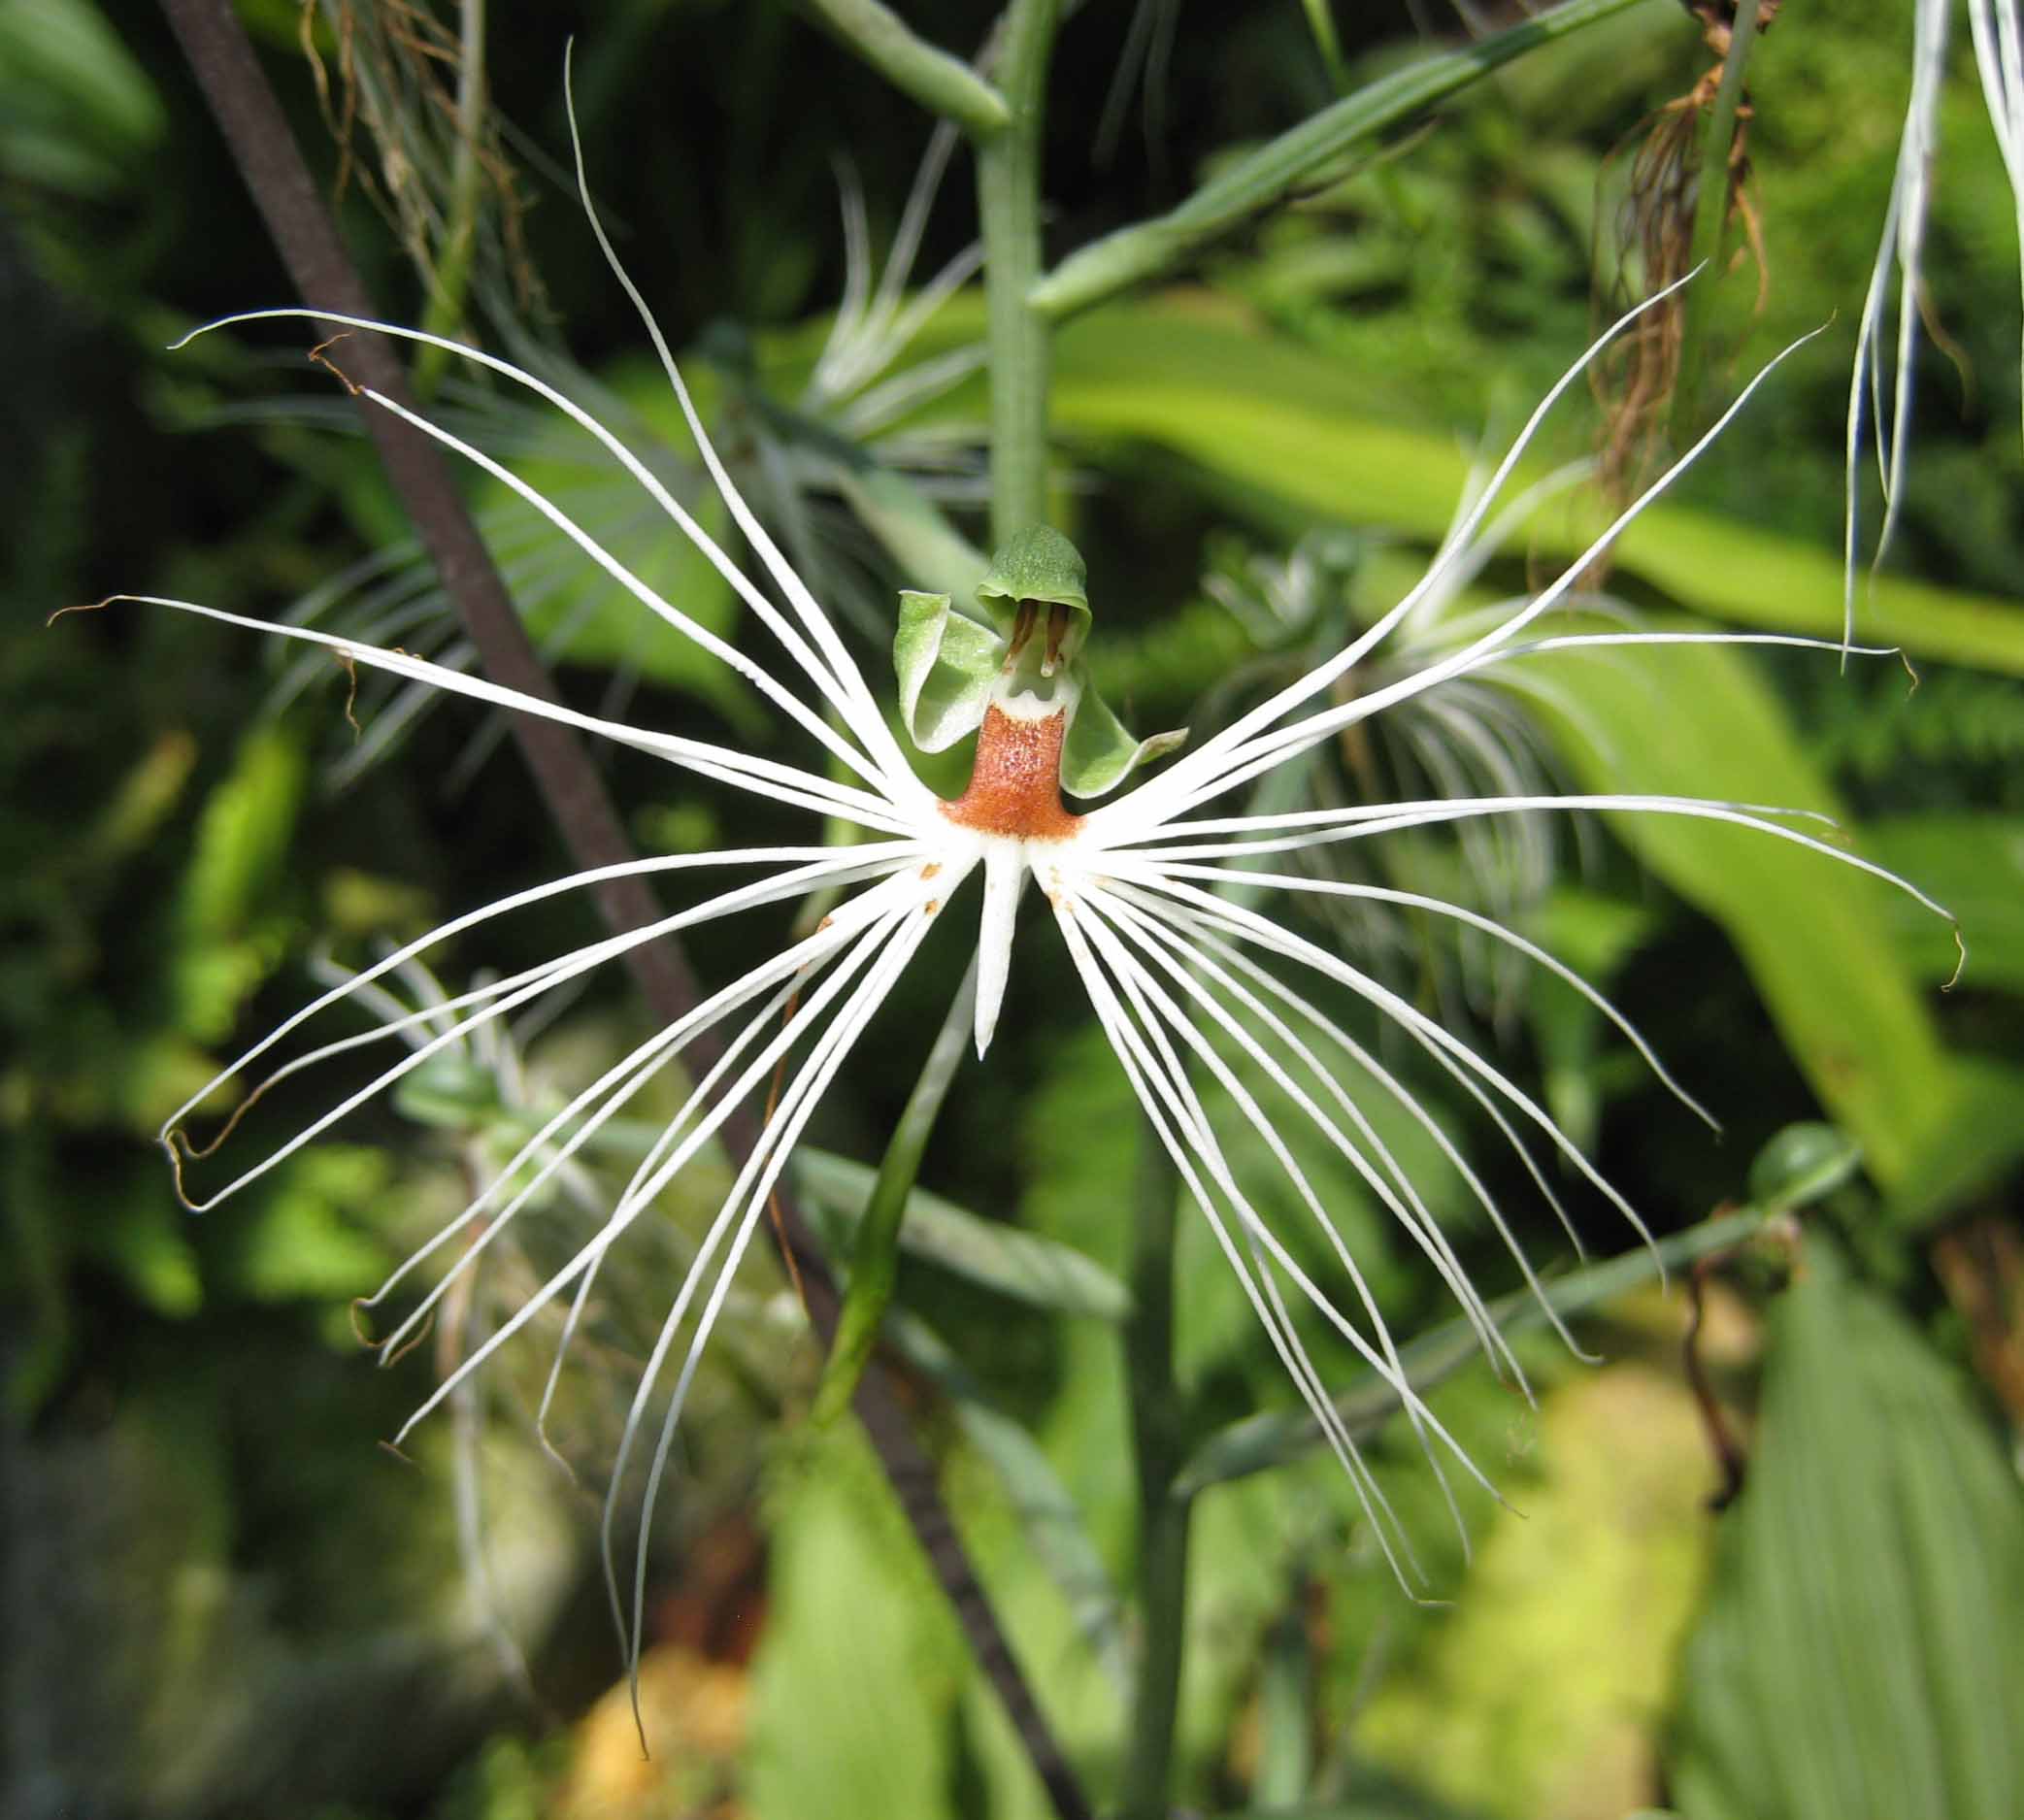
{"x": 224, "y": 1599}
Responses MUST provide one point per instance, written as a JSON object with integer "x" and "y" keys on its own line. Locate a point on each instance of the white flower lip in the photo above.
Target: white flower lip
{"x": 1186, "y": 983}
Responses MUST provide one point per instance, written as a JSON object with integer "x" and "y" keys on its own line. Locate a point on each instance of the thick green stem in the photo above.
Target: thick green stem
{"x": 874, "y": 1261}
{"x": 1711, "y": 216}
{"x": 1151, "y": 249}
{"x": 1159, "y": 1440}
{"x": 941, "y": 83}
{"x": 1008, "y": 201}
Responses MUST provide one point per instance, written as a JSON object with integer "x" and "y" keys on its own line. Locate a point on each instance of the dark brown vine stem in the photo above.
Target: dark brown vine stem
{"x": 303, "y": 232}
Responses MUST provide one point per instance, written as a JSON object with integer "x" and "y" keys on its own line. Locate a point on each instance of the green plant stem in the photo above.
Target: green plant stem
{"x": 1160, "y": 1438}
{"x": 941, "y": 83}
{"x": 1322, "y": 25}
{"x": 452, "y": 275}
{"x": 874, "y": 1259}
{"x": 1150, "y": 249}
{"x": 1711, "y": 216}
{"x": 1008, "y": 201}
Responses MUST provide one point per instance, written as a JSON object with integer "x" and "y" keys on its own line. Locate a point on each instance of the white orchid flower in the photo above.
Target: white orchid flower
{"x": 1189, "y": 986}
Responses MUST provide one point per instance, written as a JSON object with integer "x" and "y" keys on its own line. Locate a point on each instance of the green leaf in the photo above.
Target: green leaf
{"x": 1975, "y": 865}
{"x": 1859, "y": 1655}
{"x": 77, "y": 113}
{"x": 858, "y": 1671}
{"x": 875, "y": 1252}
{"x": 1005, "y": 1259}
{"x": 915, "y": 532}
{"x": 1700, "y": 720}
{"x": 302, "y": 1240}
{"x": 572, "y": 610}
{"x": 228, "y": 932}
{"x": 143, "y": 1235}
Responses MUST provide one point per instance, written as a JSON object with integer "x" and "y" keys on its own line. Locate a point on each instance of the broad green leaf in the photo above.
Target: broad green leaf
{"x": 1700, "y": 720}
{"x": 858, "y": 1671}
{"x": 1006, "y": 1259}
{"x": 573, "y": 609}
{"x": 1285, "y": 1714}
{"x": 1860, "y": 1655}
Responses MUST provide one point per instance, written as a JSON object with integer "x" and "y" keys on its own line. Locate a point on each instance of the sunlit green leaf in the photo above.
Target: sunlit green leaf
{"x": 857, "y": 1674}
{"x": 303, "y": 1237}
{"x": 229, "y": 936}
{"x": 1290, "y": 432}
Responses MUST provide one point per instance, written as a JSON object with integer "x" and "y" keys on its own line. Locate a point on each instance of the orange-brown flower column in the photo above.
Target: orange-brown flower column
{"x": 1016, "y": 783}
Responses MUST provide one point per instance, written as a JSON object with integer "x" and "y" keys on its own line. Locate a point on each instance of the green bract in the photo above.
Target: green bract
{"x": 951, "y": 666}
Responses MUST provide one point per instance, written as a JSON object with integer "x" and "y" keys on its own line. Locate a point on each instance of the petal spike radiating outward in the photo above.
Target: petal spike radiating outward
{"x": 1207, "y": 1000}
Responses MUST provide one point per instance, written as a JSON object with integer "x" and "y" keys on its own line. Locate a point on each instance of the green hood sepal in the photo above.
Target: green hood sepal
{"x": 949, "y": 668}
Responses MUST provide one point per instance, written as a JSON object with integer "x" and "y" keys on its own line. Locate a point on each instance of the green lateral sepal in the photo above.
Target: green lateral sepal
{"x": 947, "y": 666}
{"x": 1101, "y": 751}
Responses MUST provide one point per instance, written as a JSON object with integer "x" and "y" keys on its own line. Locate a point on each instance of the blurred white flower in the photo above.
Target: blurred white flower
{"x": 1881, "y": 383}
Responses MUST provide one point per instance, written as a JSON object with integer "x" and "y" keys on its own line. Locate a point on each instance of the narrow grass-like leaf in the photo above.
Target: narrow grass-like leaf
{"x": 1265, "y": 177}
{"x": 1260, "y": 1441}
{"x": 1020, "y": 1265}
